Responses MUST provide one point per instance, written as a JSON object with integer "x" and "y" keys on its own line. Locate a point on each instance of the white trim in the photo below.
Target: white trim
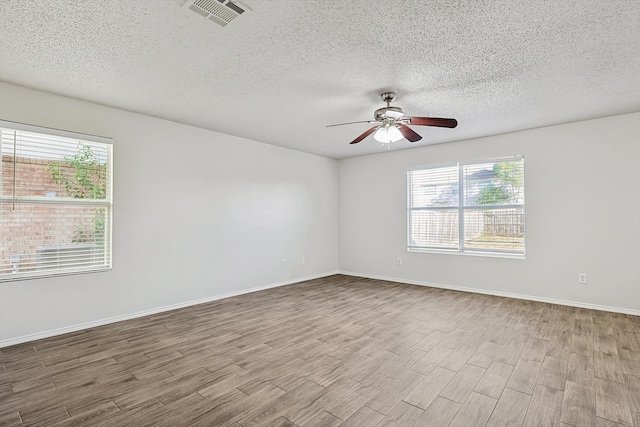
{"x": 498, "y": 293}
{"x": 101, "y": 322}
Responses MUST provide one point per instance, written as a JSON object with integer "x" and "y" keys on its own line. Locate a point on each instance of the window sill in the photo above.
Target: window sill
{"x": 7, "y": 278}
{"x": 469, "y": 253}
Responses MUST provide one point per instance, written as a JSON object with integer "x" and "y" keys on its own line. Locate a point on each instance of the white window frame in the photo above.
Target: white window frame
{"x": 106, "y": 203}
{"x": 460, "y": 209}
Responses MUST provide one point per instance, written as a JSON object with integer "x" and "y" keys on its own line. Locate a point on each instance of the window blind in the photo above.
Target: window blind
{"x": 475, "y": 207}
{"x": 55, "y": 202}
{"x": 494, "y": 206}
{"x": 434, "y": 214}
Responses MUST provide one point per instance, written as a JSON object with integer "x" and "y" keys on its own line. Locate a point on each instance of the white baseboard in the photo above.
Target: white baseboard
{"x": 101, "y": 322}
{"x": 498, "y": 293}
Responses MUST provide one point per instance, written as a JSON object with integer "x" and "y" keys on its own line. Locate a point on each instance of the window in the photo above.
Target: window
{"x": 474, "y": 207}
{"x": 55, "y": 202}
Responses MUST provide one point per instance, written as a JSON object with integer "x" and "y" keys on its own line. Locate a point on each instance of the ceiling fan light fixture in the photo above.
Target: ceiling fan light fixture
{"x": 388, "y": 134}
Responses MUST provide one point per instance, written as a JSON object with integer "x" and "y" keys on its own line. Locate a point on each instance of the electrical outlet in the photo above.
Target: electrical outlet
{"x": 304, "y": 261}
{"x": 582, "y": 278}
{"x": 399, "y": 261}
{"x": 283, "y": 263}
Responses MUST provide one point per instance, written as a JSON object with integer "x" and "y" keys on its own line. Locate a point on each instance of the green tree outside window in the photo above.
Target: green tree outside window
{"x": 84, "y": 177}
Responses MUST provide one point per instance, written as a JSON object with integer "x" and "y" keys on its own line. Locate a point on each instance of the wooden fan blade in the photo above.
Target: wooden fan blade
{"x": 433, "y": 121}
{"x": 351, "y": 123}
{"x": 409, "y": 133}
{"x": 364, "y": 135}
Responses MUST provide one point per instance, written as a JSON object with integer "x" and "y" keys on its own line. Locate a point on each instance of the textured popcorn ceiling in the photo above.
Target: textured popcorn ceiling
{"x": 282, "y": 72}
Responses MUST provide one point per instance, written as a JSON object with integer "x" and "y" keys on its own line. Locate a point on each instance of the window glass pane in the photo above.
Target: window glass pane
{"x": 499, "y": 183}
{"x": 494, "y": 229}
{"x": 39, "y": 237}
{"x": 434, "y": 187}
{"x": 434, "y": 228}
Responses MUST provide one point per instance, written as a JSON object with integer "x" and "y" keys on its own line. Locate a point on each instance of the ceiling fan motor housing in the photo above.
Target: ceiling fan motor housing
{"x": 394, "y": 113}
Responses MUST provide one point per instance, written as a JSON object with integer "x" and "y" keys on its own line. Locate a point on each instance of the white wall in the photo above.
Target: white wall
{"x": 582, "y": 215}
{"x": 240, "y": 206}
{"x": 197, "y": 215}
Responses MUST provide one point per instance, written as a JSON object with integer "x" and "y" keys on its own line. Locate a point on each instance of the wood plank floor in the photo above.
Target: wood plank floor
{"x": 338, "y": 351}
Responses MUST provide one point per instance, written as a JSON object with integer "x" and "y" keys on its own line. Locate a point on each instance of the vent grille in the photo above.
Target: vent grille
{"x": 219, "y": 11}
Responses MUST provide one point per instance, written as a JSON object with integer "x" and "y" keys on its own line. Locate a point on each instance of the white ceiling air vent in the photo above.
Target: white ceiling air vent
{"x": 219, "y": 11}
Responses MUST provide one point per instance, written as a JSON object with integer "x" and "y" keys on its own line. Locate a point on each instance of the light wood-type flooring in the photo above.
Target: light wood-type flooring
{"x": 338, "y": 351}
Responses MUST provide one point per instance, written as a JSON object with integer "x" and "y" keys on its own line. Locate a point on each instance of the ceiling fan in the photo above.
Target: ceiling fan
{"x": 391, "y": 123}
